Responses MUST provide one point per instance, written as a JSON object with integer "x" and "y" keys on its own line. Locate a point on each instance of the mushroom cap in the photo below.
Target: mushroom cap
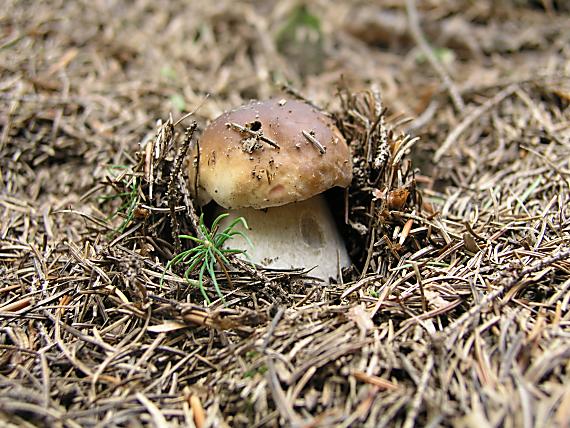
{"x": 239, "y": 168}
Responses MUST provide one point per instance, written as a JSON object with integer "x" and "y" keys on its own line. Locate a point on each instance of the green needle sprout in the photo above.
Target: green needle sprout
{"x": 208, "y": 252}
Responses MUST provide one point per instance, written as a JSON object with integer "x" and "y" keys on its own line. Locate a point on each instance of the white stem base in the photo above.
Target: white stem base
{"x": 298, "y": 235}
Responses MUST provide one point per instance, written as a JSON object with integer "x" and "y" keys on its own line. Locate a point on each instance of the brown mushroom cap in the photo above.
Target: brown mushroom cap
{"x": 241, "y": 169}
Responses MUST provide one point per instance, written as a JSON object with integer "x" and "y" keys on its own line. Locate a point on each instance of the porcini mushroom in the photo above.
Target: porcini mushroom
{"x": 270, "y": 162}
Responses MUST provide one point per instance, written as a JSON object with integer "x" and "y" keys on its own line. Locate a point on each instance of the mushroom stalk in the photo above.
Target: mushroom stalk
{"x": 297, "y": 235}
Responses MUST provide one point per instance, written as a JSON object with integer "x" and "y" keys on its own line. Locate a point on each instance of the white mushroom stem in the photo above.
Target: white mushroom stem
{"x": 297, "y": 235}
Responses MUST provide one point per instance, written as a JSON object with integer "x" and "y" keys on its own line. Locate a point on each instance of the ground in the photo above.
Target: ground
{"x": 456, "y": 309}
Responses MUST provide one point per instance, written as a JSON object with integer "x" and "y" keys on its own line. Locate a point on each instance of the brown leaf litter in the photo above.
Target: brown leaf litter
{"x": 456, "y": 311}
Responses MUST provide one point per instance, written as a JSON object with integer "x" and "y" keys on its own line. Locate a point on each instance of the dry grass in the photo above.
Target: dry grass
{"x": 456, "y": 311}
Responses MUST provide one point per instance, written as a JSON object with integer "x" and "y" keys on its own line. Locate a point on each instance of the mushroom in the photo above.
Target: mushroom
{"x": 270, "y": 162}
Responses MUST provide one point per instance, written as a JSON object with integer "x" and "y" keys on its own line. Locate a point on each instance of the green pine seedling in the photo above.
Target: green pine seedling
{"x": 208, "y": 252}
{"x": 130, "y": 199}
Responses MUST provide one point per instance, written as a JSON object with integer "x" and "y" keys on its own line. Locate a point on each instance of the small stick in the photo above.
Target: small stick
{"x": 17, "y": 305}
{"x": 375, "y": 380}
{"x": 156, "y": 414}
{"x": 322, "y": 149}
{"x": 420, "y": 285}
{"x": 419, "y": 395}
{"x": 243, "y": 129}
{"x": 428, "y": 52}
{"x": 457, "y": 329}
{"x": 284, "y": 407}
{"x": 172, "y": 189}
{"x": 272, "y": 327}
{"x": 197, "y": 411}
{"x": 470, "y": 118}
{"x": 187, "y": 115}
{"x": 292, "y": 91}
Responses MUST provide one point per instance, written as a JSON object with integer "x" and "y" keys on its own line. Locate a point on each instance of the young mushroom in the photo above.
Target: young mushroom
{"x": 270, "y": 162}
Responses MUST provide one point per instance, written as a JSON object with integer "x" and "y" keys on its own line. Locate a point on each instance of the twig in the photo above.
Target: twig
{"x": 279, "y": 398}
{"x": 272, "y": 327}
{"x": 322, "y": 149}
{"x": 417, "y": 401}
{"x": 197, "y": 411}
{"x": 157, "y": 416}
{"x": 470, "y": 118}
{"x": 187, "y": 115}
{"x": 255, "y": 134}
{"x": 420, "y": 285}
{"x": 428, "y": 52}
{"x": 292, "y": 91}
{"x": 453, "y": 331}
{"x": 172, "y": 188}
